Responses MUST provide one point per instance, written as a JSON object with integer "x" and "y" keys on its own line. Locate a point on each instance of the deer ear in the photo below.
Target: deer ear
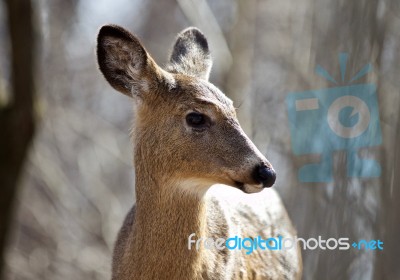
{"x": 190, "y": 54}
{"x": 124, "y": 61}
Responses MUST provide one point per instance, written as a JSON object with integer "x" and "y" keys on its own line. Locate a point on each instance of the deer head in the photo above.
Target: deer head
{"x": 185, "y": 127}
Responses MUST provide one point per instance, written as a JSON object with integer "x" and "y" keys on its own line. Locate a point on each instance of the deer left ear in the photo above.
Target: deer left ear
{"x": 190, "y": 54}
{"x": 125, "y": 63}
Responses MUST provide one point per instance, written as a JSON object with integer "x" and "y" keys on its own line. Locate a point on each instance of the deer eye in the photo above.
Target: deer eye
{"x": 197, "y": 120}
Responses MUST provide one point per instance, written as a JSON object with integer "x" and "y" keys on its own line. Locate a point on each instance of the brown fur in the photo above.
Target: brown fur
{"x": 188, "y": 180}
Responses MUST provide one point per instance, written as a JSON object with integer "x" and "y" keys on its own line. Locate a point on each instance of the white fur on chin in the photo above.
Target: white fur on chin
{"x": 247, "y": 188}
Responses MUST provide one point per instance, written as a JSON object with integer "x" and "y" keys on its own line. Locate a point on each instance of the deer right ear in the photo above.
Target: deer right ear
{"x": 190, "y": 54}
{"x": 124, "y": 62}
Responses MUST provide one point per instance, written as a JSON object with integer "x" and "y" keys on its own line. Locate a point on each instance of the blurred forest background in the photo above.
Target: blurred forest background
{"x": 66, "y": 171}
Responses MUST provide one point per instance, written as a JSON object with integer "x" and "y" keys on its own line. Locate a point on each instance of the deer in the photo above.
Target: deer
{"x": 196, "y": 172}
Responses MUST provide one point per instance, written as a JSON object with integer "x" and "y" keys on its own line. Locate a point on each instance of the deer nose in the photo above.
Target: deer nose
{"x": 265, "y": 175}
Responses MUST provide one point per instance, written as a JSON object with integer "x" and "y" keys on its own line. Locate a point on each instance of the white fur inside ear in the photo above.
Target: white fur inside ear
{"x": 200, "y": 69}
{"x": 124, "y": 61}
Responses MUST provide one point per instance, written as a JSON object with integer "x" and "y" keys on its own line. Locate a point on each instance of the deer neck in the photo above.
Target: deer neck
{"x": 167, "y": 212}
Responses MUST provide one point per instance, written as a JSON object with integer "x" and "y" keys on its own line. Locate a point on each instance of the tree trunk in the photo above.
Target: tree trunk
{"x": 17, "y": 117}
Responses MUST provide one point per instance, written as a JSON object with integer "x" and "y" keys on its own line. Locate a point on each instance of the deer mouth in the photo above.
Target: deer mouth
{"x": 262, "y": 176}
{"x": 248, "y": 188}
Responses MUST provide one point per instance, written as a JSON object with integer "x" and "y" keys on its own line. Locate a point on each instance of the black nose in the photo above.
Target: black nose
{"x": 265, "y": 175}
